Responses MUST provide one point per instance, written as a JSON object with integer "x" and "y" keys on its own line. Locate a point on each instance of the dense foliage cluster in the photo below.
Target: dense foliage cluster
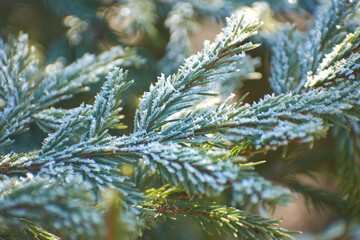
{"x": 194, "y": 148}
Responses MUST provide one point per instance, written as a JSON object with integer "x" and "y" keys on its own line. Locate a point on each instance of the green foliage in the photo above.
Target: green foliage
{"x": 58, "y": 205}
{"x": 212, "y": 217}
{"x": 194, "y": 150}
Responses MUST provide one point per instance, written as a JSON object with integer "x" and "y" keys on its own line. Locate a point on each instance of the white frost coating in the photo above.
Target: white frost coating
{"x": 181, "y": 142}
{"x": 154, "y": 103}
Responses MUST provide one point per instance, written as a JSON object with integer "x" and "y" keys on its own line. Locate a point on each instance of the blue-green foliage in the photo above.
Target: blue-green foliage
{"x": 87, "y": 182}
{"x": 327, "y": 58}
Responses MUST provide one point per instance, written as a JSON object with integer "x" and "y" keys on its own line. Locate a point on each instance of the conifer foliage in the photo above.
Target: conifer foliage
{"x": 86, "y": 181}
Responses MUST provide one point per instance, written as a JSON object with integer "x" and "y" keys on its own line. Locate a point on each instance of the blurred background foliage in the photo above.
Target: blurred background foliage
{"x": 164, "y": 33}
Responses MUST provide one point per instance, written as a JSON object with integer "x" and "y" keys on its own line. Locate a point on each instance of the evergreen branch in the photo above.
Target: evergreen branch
{"x": 98, "y": 164}
{"x": 171, "y": 94}
{"x": 28, "y": 231}
{"x": 40, "y": 233}
{"x": 272, "y": 122}
{"x": 50, "y": 119}
{"x": 18, "y": 68}
{"x": 106, "y": 107}
{"x": 198, "y": 150}
{"x": 316, "y": 59}
{"x": 214, "y": 219}
{"x": 209, "y": 172}
{"x": 288, "y": 61}
{"x": 334, "y": 62}
{"x": 55, "y": 204}
{"x": 341, "y": 63}
{"x": 79, "y": 147}
{"x": 329, "y": 29}
{"x": 197, "y": 171}
{"x": 181, "y": 22}
{"x": 103, "y": 116}
{"x": 268, "y": 124}
{"x": 25, "y": 90}
{"x": 76, "y": 77}
{"x": 295, "y": 117}
{"x": 255, "y": 189}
